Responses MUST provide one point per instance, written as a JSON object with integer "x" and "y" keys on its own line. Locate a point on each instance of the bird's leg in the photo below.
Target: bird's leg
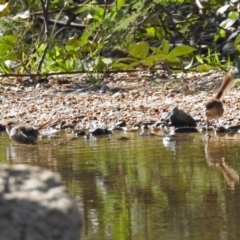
{"x": 207, "y": 123}
{"x": 207, "y": 134}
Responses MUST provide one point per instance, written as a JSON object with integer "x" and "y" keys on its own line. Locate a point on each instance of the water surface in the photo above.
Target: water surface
{"x": 145, "y": 188}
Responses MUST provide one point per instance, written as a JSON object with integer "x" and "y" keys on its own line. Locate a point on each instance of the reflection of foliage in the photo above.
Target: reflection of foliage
{"x": 132, "y": 189}
{"x": 127, "y": 186}
{"x": 70, "y": 36}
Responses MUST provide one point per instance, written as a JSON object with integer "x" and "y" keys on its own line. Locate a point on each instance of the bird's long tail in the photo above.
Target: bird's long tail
{"x": 227, "y": 83}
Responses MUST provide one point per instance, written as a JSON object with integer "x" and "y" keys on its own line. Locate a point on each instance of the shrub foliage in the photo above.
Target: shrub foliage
{"x": 98, "y": 36}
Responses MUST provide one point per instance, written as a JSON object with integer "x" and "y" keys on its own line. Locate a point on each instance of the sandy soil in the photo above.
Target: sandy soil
{"x": 135, "y": 97}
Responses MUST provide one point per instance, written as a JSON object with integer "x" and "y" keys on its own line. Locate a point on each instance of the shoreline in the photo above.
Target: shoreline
{"x": 134, "y": 98}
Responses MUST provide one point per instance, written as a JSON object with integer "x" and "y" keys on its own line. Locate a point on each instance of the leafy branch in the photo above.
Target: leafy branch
{"x": 122, "y": 36}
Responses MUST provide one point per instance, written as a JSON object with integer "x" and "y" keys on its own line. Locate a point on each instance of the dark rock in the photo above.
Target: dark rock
{"x": 80, "y": 133}
{"x": 120, "y": 123}
{"x": 235, "y": 128}
{"x": 145, "y": 125}
{"x": 115, "y": 90}
{"x": 136, "y": 125}
{"x": 175, "y": 91}
{"x": 35, "y": 205}
{"x": 186, "y": 130}
{"x": 160, "y": 124}
{"x": 100, "y": 131}
{"x": 228, "y": 51}
{"x": 164, "y": 76}
{"x": 179, "y": 118}
{"x": 116, "y": 109}
{"x": 2, "y": 127}
{"x": 221, "y": 130}
{"x": 114, "y": 53}
{"x": 42, "y": 81}
{"x": 104, "y": 88}
{"x": 62, "y": 81}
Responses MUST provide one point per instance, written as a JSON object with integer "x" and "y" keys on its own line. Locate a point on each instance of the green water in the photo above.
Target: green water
{"x": 144, "y": 188}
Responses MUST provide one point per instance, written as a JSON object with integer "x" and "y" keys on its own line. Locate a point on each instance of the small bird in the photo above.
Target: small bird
{"x": 214, "y": 107}
{"x": 23, "y": 133}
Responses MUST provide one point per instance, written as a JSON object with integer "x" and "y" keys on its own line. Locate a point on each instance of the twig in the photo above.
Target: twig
{"x": 82, "y": 72}
{"x": 46, "y": 30}
{"x": 200, "y": 6}
{"x": 171, "y": 19}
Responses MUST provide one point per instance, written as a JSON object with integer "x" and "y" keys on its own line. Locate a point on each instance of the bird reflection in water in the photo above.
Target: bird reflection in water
{"x": 215, "y": 155}
{"x": 32, "y": 154}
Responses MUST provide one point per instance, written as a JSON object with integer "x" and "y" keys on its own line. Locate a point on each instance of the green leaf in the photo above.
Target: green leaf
{"x": 84, "y": 38}
{"x": 7, "y": 43}
{"x": 199, "y": 58}
{"x": 237, "y": 41}
{"x": 82, "y": 9}
{"x": 70, "y": 48}
{"x": 9, "y": 56}
{"x": 175, "y": 64}
{"x": 173, "y": 60}
{"x": 204, "y": 68}
{"x": 128, "y": 60}
{"x": 41, "y": 48}
{"x": 120, "y": 3}
{"x": 237, "y": 48}
{"x": 98, "y": 14}
{"x": 222, "y": 33}
{"x": 152, "y": 60}
{"x": 120, "y": 66}
{"x": 122, "y": 25}
{"x": 156, "y": 50}
{"x": 165, "y": 46}
{"x": 73, "y": 41}
{"x": 181, "y": 51}
{"x": 216, "y": 37}
{"x": 216, "y": 58}
{"x": 233, "y": 15}
{"x": 4, "y": 68}
{"x": 151, "y": 32}
{"x": 134, "y": 64}
{"x": 139, "y": 50}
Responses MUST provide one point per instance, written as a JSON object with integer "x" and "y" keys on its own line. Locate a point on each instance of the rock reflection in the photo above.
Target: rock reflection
{"x": 171, "y": 141}
{"x": 215, "y": 155}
